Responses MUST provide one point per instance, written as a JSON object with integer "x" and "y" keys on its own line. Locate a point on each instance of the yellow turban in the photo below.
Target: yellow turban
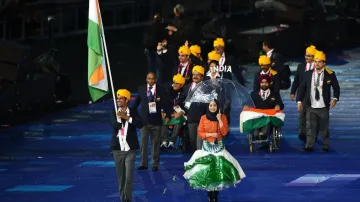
{"x": 213, "y": 55}
{"x": 311, "y": 50}
{"x": 124, "y": 93}
{"x": 179, "y": 79}
{"x": 198, "y": 69}
{"x": 219, "y": 42}
{"x": 195, "y": 50}
{"x": 264, "y": 60}
{"x": 320, "y": 56}
{"x": 184, "y": 50}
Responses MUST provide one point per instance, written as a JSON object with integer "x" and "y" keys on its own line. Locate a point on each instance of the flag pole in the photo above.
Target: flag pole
{"x": 107, "y": 61}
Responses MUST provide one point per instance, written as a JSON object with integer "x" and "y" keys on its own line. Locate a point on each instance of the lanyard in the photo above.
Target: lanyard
{"x": 148, "y": 91}
{"x": 267, "y": 93}
{"x": 309, "y": 66}
{"x": 122, "y": 130}
{"x": 222, "y": 61}
{"x": 321, "y": 79}
{"x": 186, "y": 71}
{"x": 190, "y": 88}
{"x": 178, "y": 95}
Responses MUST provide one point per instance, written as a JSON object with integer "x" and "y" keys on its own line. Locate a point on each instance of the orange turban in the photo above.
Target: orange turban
{"x": 198, "y": 69}
{"x": 184, "y": 50}
{"x": 178, "y": 78}
{"x": 320, "y": 56}
{"x": 219, "y": 42}
{"x": 264, "y": 60}
{"x": 123, "y": 93}
{"x": 213, "y": 55}
{"x": 311, "y": 50}
{"x": 195, "y": 50}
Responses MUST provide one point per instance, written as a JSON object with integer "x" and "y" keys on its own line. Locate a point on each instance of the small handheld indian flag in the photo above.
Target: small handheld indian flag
{"x": 251, "y": 119}
{"x": 97, "y": 75}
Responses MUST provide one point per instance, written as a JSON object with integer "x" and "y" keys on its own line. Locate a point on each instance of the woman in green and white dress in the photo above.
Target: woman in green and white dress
{"x": 213, "y": 168}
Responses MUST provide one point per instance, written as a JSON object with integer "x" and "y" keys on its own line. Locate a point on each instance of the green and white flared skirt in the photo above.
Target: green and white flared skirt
{"x": 213, "y": 168}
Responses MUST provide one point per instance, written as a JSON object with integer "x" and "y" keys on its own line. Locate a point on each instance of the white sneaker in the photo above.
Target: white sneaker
{"x": 171, "y": 145}
{"x": 164, "y": 145}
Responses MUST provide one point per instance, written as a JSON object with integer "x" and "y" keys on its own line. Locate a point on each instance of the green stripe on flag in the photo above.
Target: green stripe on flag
{"x": 96, "y": 93}
{"x": 253, "y": 124}
{"x": 94, "y": 38}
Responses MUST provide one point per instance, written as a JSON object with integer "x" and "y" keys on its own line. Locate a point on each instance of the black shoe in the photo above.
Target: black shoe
{"x": 307, "y": 149}
{"x": 155, "y": 168}
{"x": 302, "y": 137}
{"x": 210, "y": 196}
{"x": 325, "y": 150}
{"x": 216, "y": 196}
{"x": 142, "y": 168}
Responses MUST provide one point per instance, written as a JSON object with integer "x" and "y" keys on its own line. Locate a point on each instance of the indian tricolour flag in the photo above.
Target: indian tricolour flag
{"x": 251, "y": 119}
{"x": 97, "y": 75}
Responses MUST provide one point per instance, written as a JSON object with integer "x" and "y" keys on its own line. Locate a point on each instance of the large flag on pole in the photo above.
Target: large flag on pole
{"x": 97, "y": 75}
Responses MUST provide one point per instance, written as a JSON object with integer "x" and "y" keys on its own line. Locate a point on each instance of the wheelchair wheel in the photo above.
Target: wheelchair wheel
{"x": 272, "y": 144}
{"x": 276, "y": 137}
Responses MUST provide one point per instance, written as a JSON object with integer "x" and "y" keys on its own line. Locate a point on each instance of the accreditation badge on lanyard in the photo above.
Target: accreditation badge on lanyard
{"x": 176, "y": 107}
{"x": 152, "y": 103}
{"x": 122, "y": 133}
{"x": 186, "y": 70}
{"x": 267, "y": 93}
{"x": 187, "y": 104}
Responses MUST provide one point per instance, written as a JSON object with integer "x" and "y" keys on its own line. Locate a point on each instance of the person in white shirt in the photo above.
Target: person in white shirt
{"x": 226, "y": 62}
{"x": 265, "y": 69}
{"x": 213, "y": 72}
{"x": 298, "y": 77}
{"x": 184, "y": 66}
{"x": 194, "y": 110}
{"x": 315, "y": 90}
{"x": 124, "y": 143}
{"x": 151, "y": 99}
{"x": 265, "y": 99}
{"x": 177, "y": 98}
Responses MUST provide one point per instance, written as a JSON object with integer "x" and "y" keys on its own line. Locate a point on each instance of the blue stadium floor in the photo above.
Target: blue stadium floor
{"x": 65, "y": 157}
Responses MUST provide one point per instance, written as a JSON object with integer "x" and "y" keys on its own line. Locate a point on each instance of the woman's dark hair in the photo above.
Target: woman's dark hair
{"x": 214, "y": 61}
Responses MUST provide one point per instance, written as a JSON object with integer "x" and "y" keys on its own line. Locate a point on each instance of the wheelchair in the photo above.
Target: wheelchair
{"x": 272, "y": 139}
